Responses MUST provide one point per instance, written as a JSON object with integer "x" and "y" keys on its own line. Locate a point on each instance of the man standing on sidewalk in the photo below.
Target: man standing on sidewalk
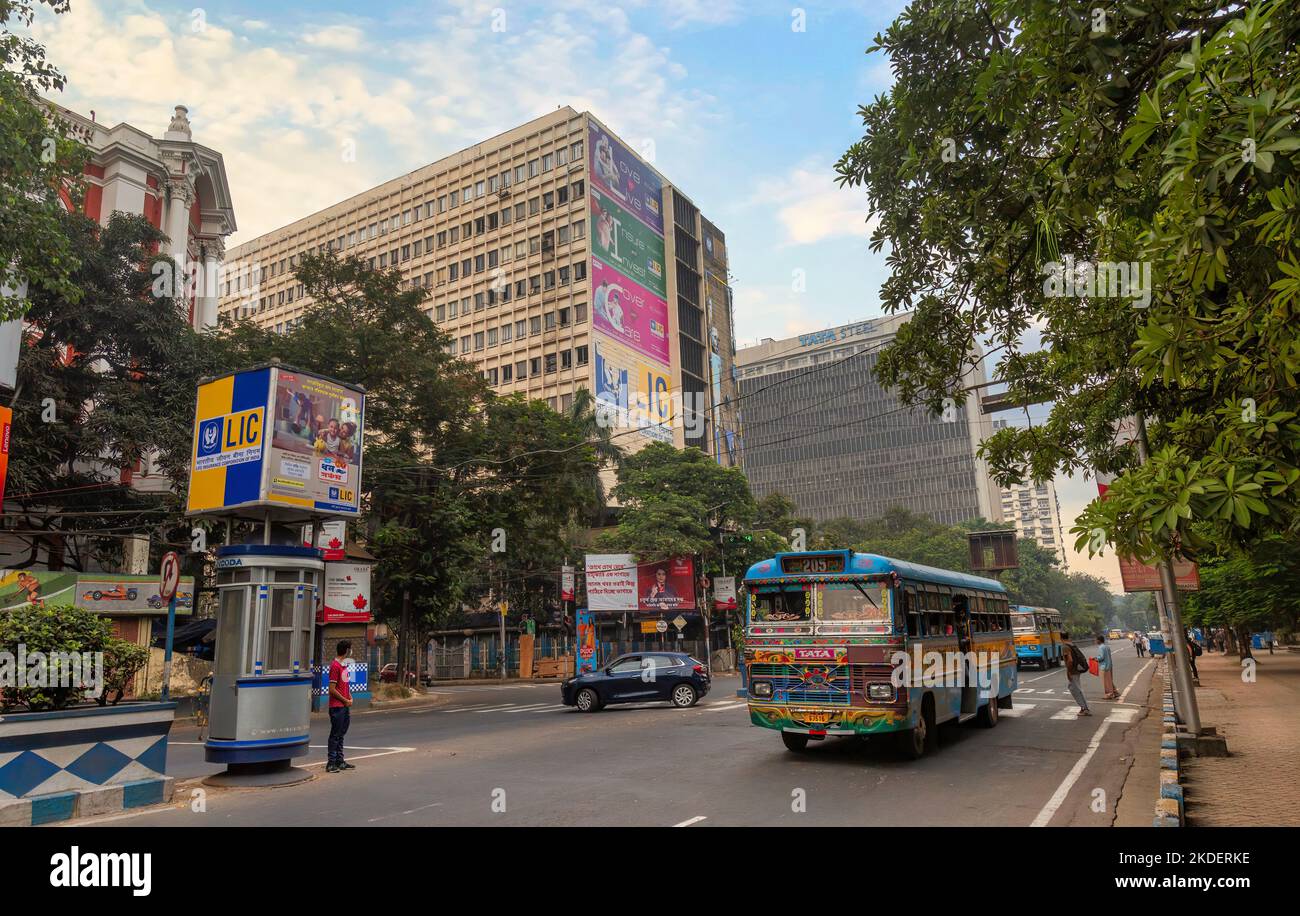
{"x": 1106, "y": 665}
{"x": 1075, "y": 665}
{"x": 340, "y": 708}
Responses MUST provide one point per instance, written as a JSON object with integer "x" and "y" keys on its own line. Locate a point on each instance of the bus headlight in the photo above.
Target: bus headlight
{"x": 880, "y": 691}
{"x": 761, "y": 688}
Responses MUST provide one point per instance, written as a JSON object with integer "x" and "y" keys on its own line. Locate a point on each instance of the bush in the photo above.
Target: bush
{"x": 394, "y": 692}
{"x": 49, "y": 629}
{"x": 122, "y": 660}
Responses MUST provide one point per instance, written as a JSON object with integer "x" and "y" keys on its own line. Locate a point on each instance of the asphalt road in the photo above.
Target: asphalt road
{"x": 511, "y": 755}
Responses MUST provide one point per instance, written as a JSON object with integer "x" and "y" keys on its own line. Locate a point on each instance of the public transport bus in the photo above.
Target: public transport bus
{"x": 1038, "y": 636}
{"x": 836, "y": 643}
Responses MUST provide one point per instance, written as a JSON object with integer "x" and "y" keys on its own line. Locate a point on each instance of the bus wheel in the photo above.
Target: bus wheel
{"x": 914, "y": 742}
{"x": 987, "y": 717}
{"x": 794, "y": 741}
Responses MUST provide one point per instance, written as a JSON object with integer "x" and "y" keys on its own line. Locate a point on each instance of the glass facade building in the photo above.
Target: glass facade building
{"x": 822, "y": 430}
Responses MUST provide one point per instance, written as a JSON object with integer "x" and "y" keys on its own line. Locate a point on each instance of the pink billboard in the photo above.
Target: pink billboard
{"x": 627, "y": 312}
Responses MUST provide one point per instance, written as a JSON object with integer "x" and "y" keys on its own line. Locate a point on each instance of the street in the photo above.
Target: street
{"x": 512, "y": 755}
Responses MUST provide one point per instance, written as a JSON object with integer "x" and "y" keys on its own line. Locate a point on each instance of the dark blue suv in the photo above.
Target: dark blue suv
{"x": 640, "y": 677}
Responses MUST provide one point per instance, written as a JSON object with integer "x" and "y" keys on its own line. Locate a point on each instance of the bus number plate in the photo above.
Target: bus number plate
{"x": 811, "y": 715}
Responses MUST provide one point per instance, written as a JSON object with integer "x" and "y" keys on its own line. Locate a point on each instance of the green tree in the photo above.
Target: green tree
{"x": 49, "y": 630}
{"x": 1249, "y": 593}
{"x": 1018, "y": 133}
{"x": 40, "y": 156}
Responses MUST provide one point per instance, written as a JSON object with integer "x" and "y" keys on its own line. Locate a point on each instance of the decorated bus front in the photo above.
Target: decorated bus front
{"x": 828, "y": 632}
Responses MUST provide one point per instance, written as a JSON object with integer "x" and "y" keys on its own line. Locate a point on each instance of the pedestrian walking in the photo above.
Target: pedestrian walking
{"x": 1075, "y": 665}
{"x": 1105, "y": 666}
{"x": 1193, "y": 650}
{"x": 340, "y": 708}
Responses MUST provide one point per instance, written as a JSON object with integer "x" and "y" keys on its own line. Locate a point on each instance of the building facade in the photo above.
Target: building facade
{"x": 1036, "y": 513}
{"x": 555, "y": 258}
{"x": 822, "y": 430}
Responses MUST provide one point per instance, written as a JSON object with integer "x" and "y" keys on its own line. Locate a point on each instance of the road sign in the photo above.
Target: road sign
{"x": 679, "y": 622}
{"x": 661, "y": 626}
{"x": 170, "y": 576}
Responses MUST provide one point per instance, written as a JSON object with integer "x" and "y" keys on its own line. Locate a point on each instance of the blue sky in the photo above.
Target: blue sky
{"x": 743, "y": 111}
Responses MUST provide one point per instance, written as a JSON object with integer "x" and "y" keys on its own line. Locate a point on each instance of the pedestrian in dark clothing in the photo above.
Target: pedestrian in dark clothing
{"x": 1193, "y": 650}
{"x": 340, "y": 708}
{"x": 1074, "y": 660}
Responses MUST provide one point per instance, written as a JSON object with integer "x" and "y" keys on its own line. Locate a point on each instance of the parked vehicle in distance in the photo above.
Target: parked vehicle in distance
{"x": 388, "y": 675}
{"x": 639, "y": 677}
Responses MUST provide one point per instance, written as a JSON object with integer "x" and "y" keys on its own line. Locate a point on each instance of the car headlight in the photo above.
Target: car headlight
{"x": 880, "y": 691}
{"x": 761, "y": 688}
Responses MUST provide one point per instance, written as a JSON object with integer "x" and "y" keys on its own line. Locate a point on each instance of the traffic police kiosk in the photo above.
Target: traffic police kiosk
{"x": 272, "y": 445}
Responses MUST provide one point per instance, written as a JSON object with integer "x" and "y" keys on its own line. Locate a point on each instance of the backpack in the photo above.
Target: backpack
{"x": 1078, "y": 664}
{"x": 1196, "y": 647}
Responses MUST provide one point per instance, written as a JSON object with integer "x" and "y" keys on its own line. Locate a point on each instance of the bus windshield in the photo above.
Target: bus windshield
{"x": 1022, "y": 622}
{"x": 862, "y": 601}
{"x": 782, "y": 606}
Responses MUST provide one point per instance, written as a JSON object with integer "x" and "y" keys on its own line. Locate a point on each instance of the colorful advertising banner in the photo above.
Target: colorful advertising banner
{"x": 346, "y": 597}
{"x": 103, "y": 593}
{"x": 627, "y": 244}
{"x": 628, "y": 312}
{"x": 566, "y": 583}
{"x": 667, "y": 586}
{"x": 330, "y": 538}
{"x": 623, "y": 176}
{"x": 276, "y": 437}
{"x": 611, "y": 582}
{"x": 724, "y": 593}
{"x": 6, "y": 422}
{"x": 633, "y": 393}
{"x": 585, "y": 622}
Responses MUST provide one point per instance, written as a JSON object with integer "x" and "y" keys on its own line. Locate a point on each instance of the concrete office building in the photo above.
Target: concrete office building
{"x": 555, "y": 259}
{"x": 1036, "y": 513}
{"x": 820, "y": 429}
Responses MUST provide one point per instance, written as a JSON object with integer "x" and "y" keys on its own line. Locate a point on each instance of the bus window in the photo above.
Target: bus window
{"x": 772, "y": 607}
{"x": 864, "y": 601}
{"x": 915, "y": 622}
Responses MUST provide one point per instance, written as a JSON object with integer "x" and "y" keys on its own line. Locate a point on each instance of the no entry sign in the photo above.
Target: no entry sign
{"x": 170, "y": 576}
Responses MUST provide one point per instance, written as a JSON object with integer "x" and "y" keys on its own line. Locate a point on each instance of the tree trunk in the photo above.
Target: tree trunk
{"x": 1243, "y": 640}
{"x": 404, "y": 639}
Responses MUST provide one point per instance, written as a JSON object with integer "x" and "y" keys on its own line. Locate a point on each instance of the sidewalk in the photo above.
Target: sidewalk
{"x": 1256, "y": 785}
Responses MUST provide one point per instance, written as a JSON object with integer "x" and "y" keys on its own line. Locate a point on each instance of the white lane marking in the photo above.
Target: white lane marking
{"x": 694, "y": 820}
{"x": 723, "y": 708}
{"x": 1124, "y": 716}
{"x": 1047, "y": 690}
{"x": 1063, "y": 790}
{"x": 1024, "y": 690}
{"x": 549, "y": 708}
{"x": 481, "y": 708}
{"x": 1124, "y": 696}
{"x": 1016, "y": 711}
{"x": 1040, "y": 677}
{"x": 400, "y": 813}
{"x": 526, "y": 708}
{"x": 1066, "y": 713}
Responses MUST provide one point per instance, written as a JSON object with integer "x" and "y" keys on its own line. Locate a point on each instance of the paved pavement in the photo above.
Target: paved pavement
{"x": 512, "y": 755}
{"x": 1256, "y": 784}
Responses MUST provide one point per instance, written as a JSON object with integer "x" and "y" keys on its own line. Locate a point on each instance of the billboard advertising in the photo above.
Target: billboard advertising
{"x": 632, "y": 392}
{"x": 277, "y": 437}
{"x": 346, "y": 596}
{"x": 104, "y": 593}
{"x": 628, "y": 312}
{"x": 1143, "y": 577}
{"x": 628, "y": 245}
{"x": 585, "y": 622}
{"x": 616, "y": 583}
{"x": 626, "y": 178}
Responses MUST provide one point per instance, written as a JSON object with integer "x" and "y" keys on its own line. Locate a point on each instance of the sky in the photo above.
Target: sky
{"x": 744, "y": 105}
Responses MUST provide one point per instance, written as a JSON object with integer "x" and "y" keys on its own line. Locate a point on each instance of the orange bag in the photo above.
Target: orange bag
{"x": 1093, "y": 668}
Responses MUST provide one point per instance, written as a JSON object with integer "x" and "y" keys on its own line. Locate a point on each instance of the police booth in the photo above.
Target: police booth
{"x": 273, "y": 446}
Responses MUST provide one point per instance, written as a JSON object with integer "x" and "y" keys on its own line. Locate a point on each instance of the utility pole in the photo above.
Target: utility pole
{"x": 1187, "y": 707}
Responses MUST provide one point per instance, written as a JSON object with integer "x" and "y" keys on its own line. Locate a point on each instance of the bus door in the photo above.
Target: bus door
{"x": 970, "y": 685}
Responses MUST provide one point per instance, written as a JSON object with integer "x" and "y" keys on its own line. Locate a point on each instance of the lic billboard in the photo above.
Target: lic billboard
{"x": 274, "y": 437}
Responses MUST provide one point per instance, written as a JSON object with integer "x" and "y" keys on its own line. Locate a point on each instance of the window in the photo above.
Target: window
{"x": 566, "y": 359}
{"x": 575, "y": 151}
{"x": 579, "y": 230}
{"x": 564, "y": 318}
{"x": 535, "y": 365}
{"x": 562, "y": 155}
{"x": 441, "y": 312}
{"x": 520, "y": 330}
{"x": 580, "y": 313}
{"x": 480, "y": 263}
{"x": 451, "y": 308}
{"x": 491, "y": 258}
{"x": 579, "y": 188}
{"x": 534, "y": 284}
{"x": 562, "y": 194}
{"x": 507, "y": 373}
{"x": 548, "y": 162}
{"x": 580, "y": 270}
{"x": 491, "y": 375}
{"x": 478, "y": 189}
{"x": 480, "y": 225}
{"x": 453, "y": 270}
{"x": 505, "y": 253}
{"x": 465, "y": 267}
{"x": 548, "y": 279}
{"x": 442, "y": 239}
{"x": 519, "y": 210}
{"x": 564, "y": 276}
{"x": 562, "y": 235}
{"x": 534, "y": 206}
{"x": 480, "y": 302}
{"x": 506, "y": 330}
{"x": 505, "y": 217}
{"x": 519, "y": 289}
{"x": 455, "y": 234}
{"x": 467, "y": 193}
{"x": 550, "y": 362}
{"x": 416, "y": 247}
{"x": 582, "y": 355}
{"x": 534, "y": 168}
{"x": 492, "y": 337}
{"x": 535, "y": 325}
{"x": 549, "y": 321}
{"x": 478, "y": 340}
{"x": 406, "y": 252}
{"x": 467, "y": 230}
{"x": 492, "y": 221}
{"x": 521, "y": 370}
{"x": 519, "y": 173}
{"x": 464, "y": 344}
{"x": 535, "y": 245}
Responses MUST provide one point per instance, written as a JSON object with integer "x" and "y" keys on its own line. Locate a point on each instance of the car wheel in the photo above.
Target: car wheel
{"x": 98, "y": 595}
{"x": 587, "y": 700}
{"x": 131, "y": 594}
{"x": 684, "y": 696}
{"x": 794, "y": 741}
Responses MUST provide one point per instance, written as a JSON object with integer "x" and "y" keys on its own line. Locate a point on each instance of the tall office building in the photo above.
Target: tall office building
{"x": 1036, "y": 513}
{"x": 820, "y": 429}
{"x": 556, "y": 259}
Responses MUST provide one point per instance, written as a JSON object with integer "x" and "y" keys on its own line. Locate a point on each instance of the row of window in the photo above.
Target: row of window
{"x": 560, "y": 156}
{"x": 521, "y": 329}
{"x": 537, "y": 365}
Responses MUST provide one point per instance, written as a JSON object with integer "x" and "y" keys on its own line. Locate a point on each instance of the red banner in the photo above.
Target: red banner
{"x": 1142, "y": 577}
{"x": 666, "y": 586}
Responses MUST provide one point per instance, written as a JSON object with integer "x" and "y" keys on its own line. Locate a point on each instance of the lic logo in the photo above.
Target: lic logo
{"x": 210, "y": 437}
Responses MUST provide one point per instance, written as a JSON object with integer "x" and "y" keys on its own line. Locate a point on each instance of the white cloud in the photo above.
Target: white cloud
{"x": 812, "y": 207}
{"x": 336, "y": 38}
{"x": 279, "y": 109}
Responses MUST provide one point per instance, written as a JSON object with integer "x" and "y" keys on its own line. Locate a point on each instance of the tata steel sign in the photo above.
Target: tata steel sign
{"x": 275, "y": 437}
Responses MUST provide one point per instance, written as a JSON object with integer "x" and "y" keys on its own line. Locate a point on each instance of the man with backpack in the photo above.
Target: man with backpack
{"x": 1075, "y": 665}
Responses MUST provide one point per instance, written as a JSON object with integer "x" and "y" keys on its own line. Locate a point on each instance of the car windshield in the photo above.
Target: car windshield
{"x": 795, "y": 605}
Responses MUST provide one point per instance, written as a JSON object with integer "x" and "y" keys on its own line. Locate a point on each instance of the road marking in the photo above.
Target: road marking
{"x": 724, "y": 707}
{"x": 401, "y": 813}
{"x": 1040, "y": 677}
{"x": 1063, "y": 790}
{"x": 1017, "y": 711}
{"x": 1125, "y": 716}
{"x": 525, "y": 708}
{"x": 549, "y": 708}
{"x": 694, "y": 820}
{"x": 1066, "y": 713}
{"x": 481, "y": 707}
{"x": 382, "y": 753}
{"x": 1123, "y": 696}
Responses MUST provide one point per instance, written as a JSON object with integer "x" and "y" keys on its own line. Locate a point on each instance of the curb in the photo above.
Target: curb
{"x": 1169, "y": 811}
{"x": 65, "y": 806}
